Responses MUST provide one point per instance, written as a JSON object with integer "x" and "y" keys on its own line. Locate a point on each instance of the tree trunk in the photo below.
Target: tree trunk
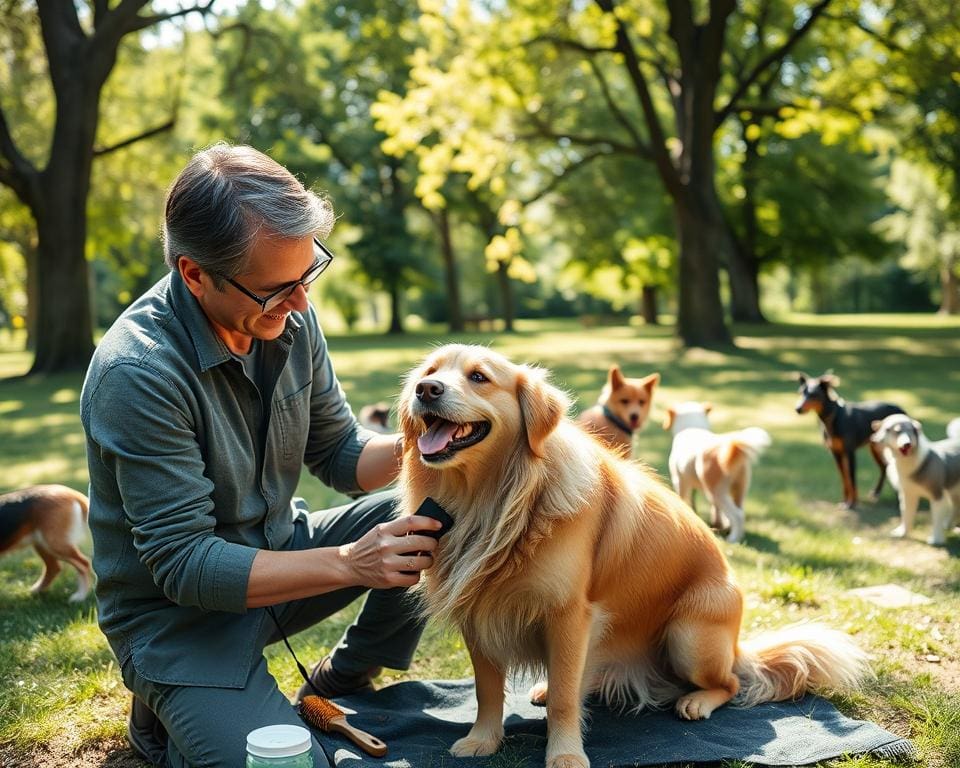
{"x": 950, "y": 288}
{"x": 452, "y": 281}
{"x": 704, "y": 238}
{"x": 506, "y": 295}
{"x": 744, "y": 272}
{"x": 396, "y": 310}
{"x": 648, "y": 304}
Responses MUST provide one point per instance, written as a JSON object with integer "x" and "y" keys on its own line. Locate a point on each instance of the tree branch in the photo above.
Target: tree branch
{"x": 869, "y": 31}
{"x": 773, "y": 57}
{"x": 142, "y": 22}
{"x": 16, "y": 169}
{"x": 155, "y": 131}
{"x": 615, "y": 110}
{"x": 658, "y": 139}
{"x": 565, "y": 173}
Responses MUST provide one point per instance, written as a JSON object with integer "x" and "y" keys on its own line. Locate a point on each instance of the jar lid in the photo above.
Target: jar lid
{"x": 278, "y": 741}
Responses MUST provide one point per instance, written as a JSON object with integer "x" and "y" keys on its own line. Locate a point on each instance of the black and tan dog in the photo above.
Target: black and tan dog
{"x": 53, "y": 518}
{"x": 845, "y": 427}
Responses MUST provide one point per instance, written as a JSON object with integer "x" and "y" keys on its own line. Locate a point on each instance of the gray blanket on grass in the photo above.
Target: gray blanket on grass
{"x": 420, "y": 720}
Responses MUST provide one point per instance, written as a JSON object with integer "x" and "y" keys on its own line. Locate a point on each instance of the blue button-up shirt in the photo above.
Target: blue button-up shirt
{"x": 187, "y": 480}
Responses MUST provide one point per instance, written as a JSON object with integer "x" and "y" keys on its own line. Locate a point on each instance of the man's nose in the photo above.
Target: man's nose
{"x": 429, "y": 390}
{"x": 297, "y": 300}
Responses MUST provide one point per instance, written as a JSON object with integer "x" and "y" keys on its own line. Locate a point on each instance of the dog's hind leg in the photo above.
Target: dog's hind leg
{"x": 51, "y": 567}
{"x": 702, "y": 651}
{"x": 79, "y": 561}
{"x": 487, "y": 732}
{"x": 877, "y": 452}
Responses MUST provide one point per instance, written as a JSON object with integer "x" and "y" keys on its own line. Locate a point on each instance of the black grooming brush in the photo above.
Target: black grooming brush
{"x": 430, "y": 508}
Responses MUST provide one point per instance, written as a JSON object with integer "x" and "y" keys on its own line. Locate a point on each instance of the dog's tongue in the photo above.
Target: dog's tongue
{"x": 437, "y": 437}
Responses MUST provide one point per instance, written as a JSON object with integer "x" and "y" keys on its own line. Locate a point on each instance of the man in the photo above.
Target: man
{"x": 200, "y": 407}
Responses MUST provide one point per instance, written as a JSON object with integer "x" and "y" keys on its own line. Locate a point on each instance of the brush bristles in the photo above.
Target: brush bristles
{"x": 319, "y": 712}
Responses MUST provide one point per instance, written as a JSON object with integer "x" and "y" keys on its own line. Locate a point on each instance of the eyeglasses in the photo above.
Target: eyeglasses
{"x": 322, "y": 259}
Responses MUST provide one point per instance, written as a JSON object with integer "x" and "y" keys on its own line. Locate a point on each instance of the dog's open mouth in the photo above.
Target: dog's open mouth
{"x": 444, "y": 438}
{"x": 905, "y": 449}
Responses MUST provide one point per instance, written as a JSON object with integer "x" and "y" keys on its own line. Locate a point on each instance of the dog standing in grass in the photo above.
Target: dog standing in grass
{"x": 719, "y": 465}
{"x": 53, "y": 518}
{"x": 622, "y": 409}
{"x": 567, "y": 559}
{"x": 845, "y": 427}
{"x": 919, "y": 468}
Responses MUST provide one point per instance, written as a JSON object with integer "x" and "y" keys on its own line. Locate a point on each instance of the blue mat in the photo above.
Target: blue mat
{"x": 420, "y": 720}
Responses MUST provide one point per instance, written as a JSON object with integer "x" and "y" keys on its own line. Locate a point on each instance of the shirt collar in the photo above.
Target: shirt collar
{"x": 211, "y": 351}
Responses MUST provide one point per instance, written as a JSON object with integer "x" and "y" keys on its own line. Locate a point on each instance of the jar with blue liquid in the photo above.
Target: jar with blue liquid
{"x": 279, "y": 746}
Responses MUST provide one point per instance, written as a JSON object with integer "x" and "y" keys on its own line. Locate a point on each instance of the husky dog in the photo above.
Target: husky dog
{"x": 921, "y": 468}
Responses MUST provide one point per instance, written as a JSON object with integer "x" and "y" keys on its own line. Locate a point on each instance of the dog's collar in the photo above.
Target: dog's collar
{"x": 617, "y": 421}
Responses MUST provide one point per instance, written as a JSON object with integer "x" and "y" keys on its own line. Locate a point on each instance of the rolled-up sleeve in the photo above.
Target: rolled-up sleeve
{"x": 143, "y": 429}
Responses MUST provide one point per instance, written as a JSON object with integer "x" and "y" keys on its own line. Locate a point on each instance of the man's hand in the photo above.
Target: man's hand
{"x": 387, "y": 553}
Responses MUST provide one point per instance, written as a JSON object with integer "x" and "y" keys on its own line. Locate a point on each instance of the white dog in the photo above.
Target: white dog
{"x": 717, "y": 464}
{"x": 919, "y": 469}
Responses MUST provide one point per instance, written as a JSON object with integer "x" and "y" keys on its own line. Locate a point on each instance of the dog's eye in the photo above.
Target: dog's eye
{"x": 478, "y": 377}
{"x": 625, "y": 401}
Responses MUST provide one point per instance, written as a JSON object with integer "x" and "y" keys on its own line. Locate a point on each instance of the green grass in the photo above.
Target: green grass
{"x": 61, "y": 699}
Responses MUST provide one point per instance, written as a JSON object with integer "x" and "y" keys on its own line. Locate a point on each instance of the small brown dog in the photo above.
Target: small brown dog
{"x": 53, "y": 518}
{"x": 376, "y": 416}
{"x": 622, "y": 409}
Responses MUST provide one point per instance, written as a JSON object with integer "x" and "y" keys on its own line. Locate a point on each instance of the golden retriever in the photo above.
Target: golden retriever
{"x": 571, "y": 561}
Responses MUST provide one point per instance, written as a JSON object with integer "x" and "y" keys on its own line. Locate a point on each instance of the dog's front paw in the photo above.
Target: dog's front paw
{"x": 568, "y": 761}
{"x": 693, "y": 706}
{"x": 476, "y": 745}
{"x": 899, "y": 532}
{"x": 538, "y": 694}
{"x": 934, "y": 541}
{"x": 873, "y": 496}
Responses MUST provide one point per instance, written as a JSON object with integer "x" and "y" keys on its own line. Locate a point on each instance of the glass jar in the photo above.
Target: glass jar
{"x": 279, "y": 746}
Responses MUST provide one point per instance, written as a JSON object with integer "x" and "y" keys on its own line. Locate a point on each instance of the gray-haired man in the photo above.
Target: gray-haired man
{"x": 201, "y": 405}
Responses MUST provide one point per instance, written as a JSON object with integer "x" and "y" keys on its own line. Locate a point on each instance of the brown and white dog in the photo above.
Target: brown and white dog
{"x": 919, "y": 468}
{"x": 53, "y": 518}
{"x": 622, "y": 409}
{"x": 719, "y": 465}
{"x": 567, "y": 559}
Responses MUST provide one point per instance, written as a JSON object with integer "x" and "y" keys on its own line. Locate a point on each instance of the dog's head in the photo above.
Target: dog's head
{"x": 815, "y": 392}
{"x": 629, "y": 398}
{"x": 468, "y": 402}
{"x": 686, "y": 416}
{"x": 899, "y": 433}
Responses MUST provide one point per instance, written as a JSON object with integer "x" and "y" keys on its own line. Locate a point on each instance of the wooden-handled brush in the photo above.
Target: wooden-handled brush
{"x": 327, "y": 716}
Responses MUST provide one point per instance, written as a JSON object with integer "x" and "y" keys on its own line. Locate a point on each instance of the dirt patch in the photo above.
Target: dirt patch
{"x": 114, "y": 753}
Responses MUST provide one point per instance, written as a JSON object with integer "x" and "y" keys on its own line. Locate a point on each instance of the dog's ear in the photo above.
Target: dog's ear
{"x": 916, "y": 425}
{"x": 668, "y": 419}
{"x": 875, "y": 424}
{"x": 800, "y": 376}
{"x": 829, "y": 379}
{"x": 542, "y": 406}
{"x": 615, "y": 377}
{"x": 649, "y": 382}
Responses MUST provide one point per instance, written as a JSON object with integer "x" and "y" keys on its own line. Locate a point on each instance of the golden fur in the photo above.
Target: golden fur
{"x": 53, "y": 518}
{"x": 629, "y": 401}
{"x": 568, "y": 559}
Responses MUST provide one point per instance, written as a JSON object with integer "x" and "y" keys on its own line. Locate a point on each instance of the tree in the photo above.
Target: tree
{"x": 81, "y": 48}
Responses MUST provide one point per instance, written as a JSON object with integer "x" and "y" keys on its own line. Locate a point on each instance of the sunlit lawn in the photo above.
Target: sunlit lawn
{"x": 61, "y": 699}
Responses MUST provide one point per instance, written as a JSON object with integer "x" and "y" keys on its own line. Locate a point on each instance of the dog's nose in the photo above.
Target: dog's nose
{"x": 429, "y": 390}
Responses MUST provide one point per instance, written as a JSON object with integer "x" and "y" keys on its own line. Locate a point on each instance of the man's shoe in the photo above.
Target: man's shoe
{"x": 330, "y": 684}
{"x": 146, "y": 733}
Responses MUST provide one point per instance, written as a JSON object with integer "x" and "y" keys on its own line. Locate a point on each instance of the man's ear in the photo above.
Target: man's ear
{"x": 615, "y": 377}
{"x": 650, "y": 382}
{"x": 192, "y": 274}
{"x": 668, "y": 419}
{"x": 541, "y": 406}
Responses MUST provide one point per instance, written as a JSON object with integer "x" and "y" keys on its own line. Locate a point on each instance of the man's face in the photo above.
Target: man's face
{"x": 238, "y": 318}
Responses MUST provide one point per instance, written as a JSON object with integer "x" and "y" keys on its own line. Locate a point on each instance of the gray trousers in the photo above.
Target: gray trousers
{"x": 208, "y": 726}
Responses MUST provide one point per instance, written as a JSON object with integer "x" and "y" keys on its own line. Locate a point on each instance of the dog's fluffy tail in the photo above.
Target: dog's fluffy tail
{"x": 745, "y": 445}
{"x": 786, "y": 663}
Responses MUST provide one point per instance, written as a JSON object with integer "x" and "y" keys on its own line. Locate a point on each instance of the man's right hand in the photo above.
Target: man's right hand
{"x": 391, "y": 554}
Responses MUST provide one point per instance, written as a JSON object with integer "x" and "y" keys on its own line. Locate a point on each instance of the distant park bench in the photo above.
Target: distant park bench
{"x": 479, "y": 323}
